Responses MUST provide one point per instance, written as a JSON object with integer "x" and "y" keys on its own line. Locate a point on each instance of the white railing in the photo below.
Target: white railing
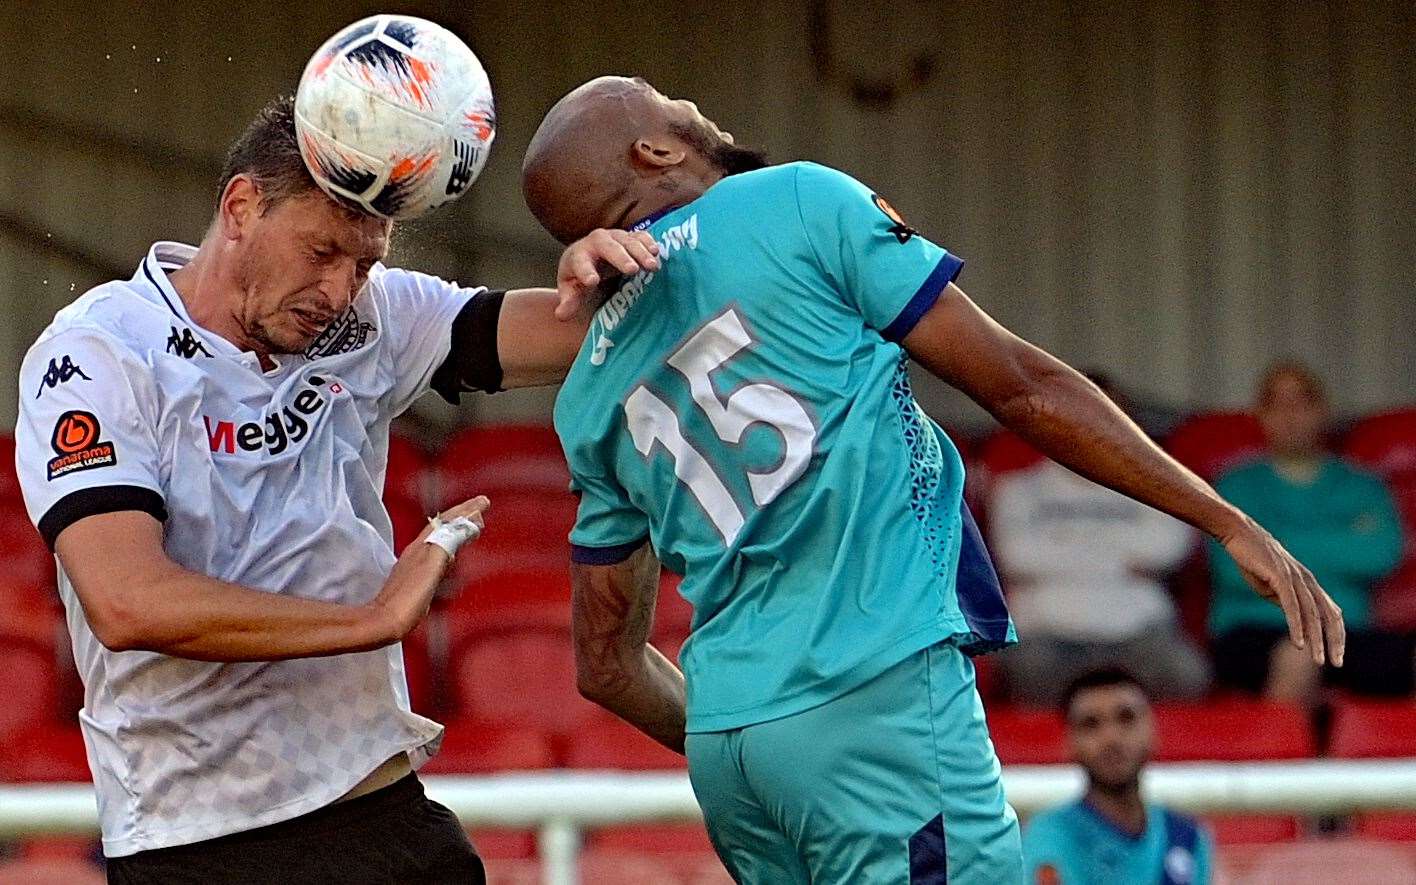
{"x": 560, "y": 805}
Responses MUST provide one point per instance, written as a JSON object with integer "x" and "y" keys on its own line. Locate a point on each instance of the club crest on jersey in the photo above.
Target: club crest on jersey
{"x": 346, "y": 333}
{"x": 902, "y": 231}
{"x": 59, "y": 372}
{"x": 77, "y": 445}
{"x": 287, "y": 426}
{"x": 185, "y": 344}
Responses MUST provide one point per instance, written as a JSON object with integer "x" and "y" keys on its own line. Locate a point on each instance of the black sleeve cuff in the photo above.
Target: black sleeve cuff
{"x": 605, "y": 555}
{"x": 99, "y": 499}
{"x": 472, "y": 362}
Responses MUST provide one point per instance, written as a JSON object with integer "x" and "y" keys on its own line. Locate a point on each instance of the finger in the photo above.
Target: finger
{"x": 473, "y": 507}
{"x": 649, "y": 242}
{"x": 582, "y": 270}
{"x": 1283, "y": 594}
{"x": 568, "y": 307}
{"x": 617, "y": 256}
{"x": 642, "y": 255}
{"x": 1334, "y": 628}
{"x": 1312, "y": 620}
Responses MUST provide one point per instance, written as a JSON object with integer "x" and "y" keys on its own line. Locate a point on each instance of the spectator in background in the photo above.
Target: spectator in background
{"x": 1338, "y": 520}
{"x": 1110, "y": 835}
{"x": 1083, "y": 567}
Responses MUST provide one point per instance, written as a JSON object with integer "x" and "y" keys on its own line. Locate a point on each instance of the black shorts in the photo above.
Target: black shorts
{"x": 393, "y": 835}
{"x": 1376, "y": 663}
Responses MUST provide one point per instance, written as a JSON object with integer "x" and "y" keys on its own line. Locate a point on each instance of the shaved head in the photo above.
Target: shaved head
{"x": 616, "y": 150}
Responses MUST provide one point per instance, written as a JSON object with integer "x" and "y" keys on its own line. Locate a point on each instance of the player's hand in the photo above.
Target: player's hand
{"x": 474, "y": 509}
{"x": 1314, "y": 620}
{"x": 599, "y": 255}
{"x": 407, "y": 594}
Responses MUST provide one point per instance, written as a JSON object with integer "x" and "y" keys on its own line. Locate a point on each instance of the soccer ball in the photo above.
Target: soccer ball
{"x": 394, "y": 116}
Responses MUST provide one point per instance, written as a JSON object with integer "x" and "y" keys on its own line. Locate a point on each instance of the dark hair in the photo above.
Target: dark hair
{"x": 270, "y": 154}
{"x": 1101, "y": 677}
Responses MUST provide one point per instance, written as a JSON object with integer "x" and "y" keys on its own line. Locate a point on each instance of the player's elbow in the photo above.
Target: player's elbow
{"x": 117, "y": 623}
{"x": 600, "y": 678}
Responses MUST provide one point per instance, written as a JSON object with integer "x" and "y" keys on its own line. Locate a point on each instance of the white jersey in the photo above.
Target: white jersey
{"x": 271, "y": 480}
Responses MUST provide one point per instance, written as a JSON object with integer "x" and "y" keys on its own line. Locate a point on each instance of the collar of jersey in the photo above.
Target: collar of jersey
{"x": 648, "y": 221}
{"x": 1108, "y": 823}
{"x": 164, "y": 256}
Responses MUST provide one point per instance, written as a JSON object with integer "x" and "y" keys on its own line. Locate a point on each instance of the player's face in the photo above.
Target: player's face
{"x": 1111, "y": 734}
{"x": 303, "y": 261}
{"x": 702, "y": 134}
{"x": 1293, "y": 416}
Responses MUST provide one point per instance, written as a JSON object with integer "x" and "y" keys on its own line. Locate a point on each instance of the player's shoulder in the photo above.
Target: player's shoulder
{"x": 1053, "y": 823}
{"x": 113, "y": 317}
{"x": 790, "y": 178}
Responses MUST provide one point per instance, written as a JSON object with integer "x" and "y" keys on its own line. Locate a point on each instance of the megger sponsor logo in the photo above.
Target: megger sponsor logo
{"x": 680, "y": 236}
{"x": 280, "y": 429}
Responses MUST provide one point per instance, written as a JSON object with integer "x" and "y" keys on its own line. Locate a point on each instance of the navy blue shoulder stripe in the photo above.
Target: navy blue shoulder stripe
{"x": 944, "y": 273}
{"x": 605, "y": 555}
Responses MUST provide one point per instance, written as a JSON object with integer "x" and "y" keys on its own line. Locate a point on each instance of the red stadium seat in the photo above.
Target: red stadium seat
{"x": 24, "y": 559}
{"x": 607, "y": 742}
{"x": 473, "y": 747}
{"x": 526, "y": 678}
{"x": 492, "y": 459}
{"x": 1325, "y": 861}
{"x": 511, "y": 598}
{"x": 1005, "y": 451}
{"x": 408, "y": 469}
{"x": 1212, "y": 443}
{"x": 504, "y": 844}
{"x": 9, "y": 480}
{"x": 524, "y": 530}
{"x": 1387, "y": 826}
{"x": 605, "y": 867}
{"x": 1252, "y": 829}
{"x": 1386, "y": 444}
{"x": 673, "y": 616}
{"x": 28, "y": 686}
{"x": 30, "y": 612}
{"x": 1024, "y": 736}
{"x": 1363, "y": 729}
{"x": 676, "y": 839}
{"x": 1233, "y": 731}
{"x": 50, "y": 871}
{"x": 45, "y": 753}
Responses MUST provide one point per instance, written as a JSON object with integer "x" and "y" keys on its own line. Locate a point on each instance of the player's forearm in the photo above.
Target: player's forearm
{"x": 189, "y": 615}
{"x": 533, "y": 346}
{"x": 1071, "y": 421}
{"x": 647, "y": 692}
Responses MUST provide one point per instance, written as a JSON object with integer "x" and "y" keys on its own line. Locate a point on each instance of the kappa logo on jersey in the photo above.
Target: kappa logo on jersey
{"x": 76, "y": 443}
{"x": 346, "y": 333}
{"x": 186, "y": 345}
{"x": 902, "y": 231}
{"x": 280, "y": 429}
{"x": 59, "y": 373}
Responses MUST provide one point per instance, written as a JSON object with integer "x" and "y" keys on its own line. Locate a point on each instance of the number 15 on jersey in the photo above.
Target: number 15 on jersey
{"x": 651, "y": 420}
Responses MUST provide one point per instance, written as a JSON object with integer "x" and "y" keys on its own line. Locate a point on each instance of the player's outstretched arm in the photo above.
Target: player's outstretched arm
{"x": 136, "y": 598}
{"x": 1069, "y": 419}
{"x": 540, "y": 331}
{"x": 612, "y": 610}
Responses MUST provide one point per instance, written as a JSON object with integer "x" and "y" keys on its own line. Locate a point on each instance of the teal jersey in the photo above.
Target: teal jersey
{"x": 746, "y": 408}
{"x": 1076, "y": 845}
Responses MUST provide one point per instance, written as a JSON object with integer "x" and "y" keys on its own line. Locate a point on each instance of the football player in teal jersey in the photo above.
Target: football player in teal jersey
{"x": 1110, "y": 834}
{"x": 742, "y": 414}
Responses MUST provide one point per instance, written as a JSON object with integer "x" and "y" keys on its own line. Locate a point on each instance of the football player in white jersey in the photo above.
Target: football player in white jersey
{"x": 204, "y": 446}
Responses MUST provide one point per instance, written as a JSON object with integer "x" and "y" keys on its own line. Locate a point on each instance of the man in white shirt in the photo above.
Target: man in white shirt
{"x": 204, "y": 446}
{"x": 1083, "y": 568}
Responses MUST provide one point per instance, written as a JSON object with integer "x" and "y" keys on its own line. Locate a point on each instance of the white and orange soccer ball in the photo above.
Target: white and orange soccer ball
{"x": 394, "y": 116}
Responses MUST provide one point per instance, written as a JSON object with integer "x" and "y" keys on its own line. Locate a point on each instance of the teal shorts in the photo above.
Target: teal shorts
{"x": 893, "y": 782}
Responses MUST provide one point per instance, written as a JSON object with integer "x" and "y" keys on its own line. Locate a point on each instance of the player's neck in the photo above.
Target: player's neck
{"x": 1121, "y": 807}
{"x": 207, "y": 294}
{"x": 657, "y": 201}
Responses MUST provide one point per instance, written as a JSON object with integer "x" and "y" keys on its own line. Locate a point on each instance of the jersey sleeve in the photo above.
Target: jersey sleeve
{"x": 883, "y": 267}
{"x": 419, "y": 312}
{"x": 608, "y": 527}
{"x": 86, "y": 436}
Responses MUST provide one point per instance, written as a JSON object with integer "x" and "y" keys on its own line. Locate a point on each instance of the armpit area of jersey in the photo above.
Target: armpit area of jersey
{"x": 97, "y": 500}
{"x": 472, "y": 363}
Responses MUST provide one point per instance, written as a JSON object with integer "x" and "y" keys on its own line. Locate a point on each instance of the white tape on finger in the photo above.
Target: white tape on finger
{"x": 451, "y": 535}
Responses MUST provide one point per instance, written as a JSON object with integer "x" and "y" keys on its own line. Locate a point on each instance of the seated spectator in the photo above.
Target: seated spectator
{"x": 1110, "y": 835}
{"x": 1338, "y": 520}
{"x": 1083, "y": 568}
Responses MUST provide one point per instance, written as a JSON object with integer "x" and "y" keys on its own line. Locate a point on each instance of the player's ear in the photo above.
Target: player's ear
{"x": 240, "y": 203}
{"x": 659, "y": 152}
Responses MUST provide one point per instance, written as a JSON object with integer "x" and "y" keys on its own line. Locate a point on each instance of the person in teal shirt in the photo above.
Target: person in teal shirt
{"x": 1338, "y": 519}
{"x": 1111, "y": 835}
{"x": 743, "y": 414}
